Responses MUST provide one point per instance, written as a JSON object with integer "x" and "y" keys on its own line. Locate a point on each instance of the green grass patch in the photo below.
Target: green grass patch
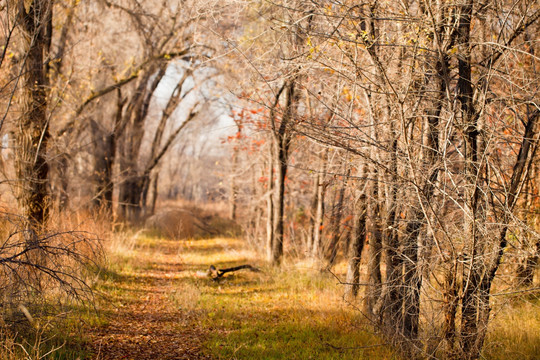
{"x": 275, "y": 314}
{"x": 291, "y": 339}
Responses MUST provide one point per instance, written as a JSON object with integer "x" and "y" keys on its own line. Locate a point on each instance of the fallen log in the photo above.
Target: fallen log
{"x": 216, "y": 273}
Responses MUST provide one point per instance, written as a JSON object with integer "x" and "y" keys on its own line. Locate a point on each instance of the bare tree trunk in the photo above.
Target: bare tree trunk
{"x": 472, "y": 297}
{"x": 146, "y": 180}
{"x": 282, "y": 138}
{"x": 270, "y": 206}
{"x": 528, "y": 265}
{"x": 103, "y": 168}
{"x": 357, "y": 246}
{"x": 373, "y": 289}
{"x": 319, "y": 214}
{"x": 331, "y": 251}
{"x": 450, "y": 305}
{"x": 282, "y": 165}
{"x": 312, "y": 214}
{"x": 233, "y": 196}
{"x": 155, "y": 194}
{"x": 32, "y": 135}
{"x": 106, "y": 157}
{"x": 60, "y": 184}
{"x": 129, "y": 198}
{"x": 130, "y": 190}
{"x": 394, "y": 292}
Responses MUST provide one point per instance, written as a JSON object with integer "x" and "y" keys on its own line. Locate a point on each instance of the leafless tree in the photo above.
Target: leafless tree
{"x": 423, "y": 90}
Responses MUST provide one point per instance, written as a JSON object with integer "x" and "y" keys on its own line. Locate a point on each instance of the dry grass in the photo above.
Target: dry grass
{"x": 515, "y": 329}
{"x": 216, "y": 208}
{"x": 295, "y": 312}
{"x": 188, "y": 221}
{"x": 42, "y": 303}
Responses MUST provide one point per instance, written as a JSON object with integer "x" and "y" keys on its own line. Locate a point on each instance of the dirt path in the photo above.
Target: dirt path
{"x": 141, "y": 320}
{"x": 158, "y": 306}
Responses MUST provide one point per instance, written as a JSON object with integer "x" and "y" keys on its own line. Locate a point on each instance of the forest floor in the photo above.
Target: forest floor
{"x": 155, "y": 302}
{"x": 141, "y": 319}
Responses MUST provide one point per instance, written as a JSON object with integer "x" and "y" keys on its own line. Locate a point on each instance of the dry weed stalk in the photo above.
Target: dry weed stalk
{"x": 55, "y": 263}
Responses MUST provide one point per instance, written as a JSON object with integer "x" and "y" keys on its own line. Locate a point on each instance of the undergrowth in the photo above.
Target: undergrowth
{"x": 515, "y": 330}
{"x": 45, "y": 290}
{"x": 295, "y": 312}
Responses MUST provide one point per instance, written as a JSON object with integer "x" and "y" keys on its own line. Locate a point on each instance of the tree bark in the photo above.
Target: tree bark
{"x": 394, "y": 293}
{"x": 60, "y": 184}
{"x": 129, "y": 203}
{"x": 233, "y": 196}
{"x": 282, "y": 166}
{"x": 331, "y": 251}
{"x": 357, "y": 246}
{"x": 312, "y": 214}
{"x": 373, "y": 289}
{"x": 270, "y": 206}
{"x": 106, "y": 157}
{"x": 319, "y": 212}
{"x": 472, "y": 295}
{"x": 155, "y": 194}
{"x": 32, "y": 135}
{"x": 282, "y": 139}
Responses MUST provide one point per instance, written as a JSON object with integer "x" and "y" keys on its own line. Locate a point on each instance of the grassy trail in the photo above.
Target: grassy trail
{"x": 157, "y": 305}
